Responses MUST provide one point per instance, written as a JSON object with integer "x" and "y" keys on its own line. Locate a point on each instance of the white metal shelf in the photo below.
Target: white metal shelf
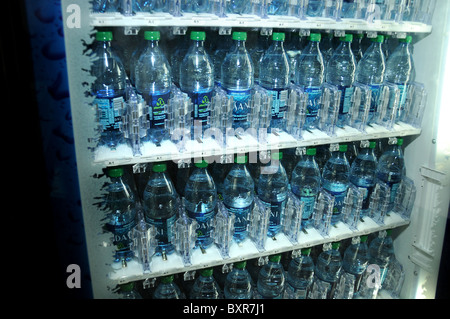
{"x": 246, "y": 250}
{"x": 251, "y": 21}
{"x": 168, "y": 151}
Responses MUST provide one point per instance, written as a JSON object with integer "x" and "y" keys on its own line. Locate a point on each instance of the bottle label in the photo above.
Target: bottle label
{"x": 241, "y": 100}
{"x": 202, "y": 106}
{"x": 314, "y": 94}
{"x": 164, "y": 228}
{"x": 241, "y": 220}
{"x": 308, "y": 207}
{"x": 279, "y": 105}
{"x": 157, "y": 112}
{"x": 338, "y": 201}
{"x": 204, "y": 221}
{"x": 109, "y": 112}
{"x": 276, "y": 211}
{"x": 346, "y": 98}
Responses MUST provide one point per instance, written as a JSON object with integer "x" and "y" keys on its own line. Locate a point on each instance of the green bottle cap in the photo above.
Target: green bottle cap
{"x": 115, "y": 171}
{"x": 347, "y": 38}
{"x": 104, "y": 36}
{"x": 127, "y": 287}
{"x": 399, "y": 141}
{"x": 359, "y": 35}
{"x": 161, "y": 167}
{"x": 152, "y": 35}
{"x": 372, "y": 144}
{"x": 311, "y": 151}
{"x": 315, "y": 37}
{"x": 306, "y": 251}
{"x": 275, "y": 258}
{"x": 388, "y": 232}
{"x": 241, "y": 159}
{"x": 239, "y": 36}
{"x": 335, "y": 245}
{"x": 278, "y": 36}
{"x": 277, "y": 155}
{"x": 240, "y": 264}
{"x": 198, "y": 35}
{"x": 342, "y": 147}
{"x": 378, "y": 39}
{"x": 167, "y": 279}
{"x": 408, "y": 39}
{"x": 207, "y": 272}
{"x": 202, "y": 164}
{"x": 363, "y": 238}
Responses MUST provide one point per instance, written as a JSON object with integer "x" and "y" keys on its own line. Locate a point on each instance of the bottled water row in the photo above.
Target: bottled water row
{"x": 232, "y": 204}
{"x": 370, "y": 10}
{"x": 350, "y": 269}
{"x": 254, "y": 92}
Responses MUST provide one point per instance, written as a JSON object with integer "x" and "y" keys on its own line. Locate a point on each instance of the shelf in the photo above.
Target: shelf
{"x": 168, "y": 151}
{"x": 251, "y": 21}
{"x": 247, "y": 250}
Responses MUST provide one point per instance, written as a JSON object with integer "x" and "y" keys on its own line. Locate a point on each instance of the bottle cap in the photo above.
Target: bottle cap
{"x": 241, "y": 159}
{"x": 167, "y": 279}
{"x": 198, "y": 35}
{"x": 161, "y": 167}
{"x": 335, "y": 245}
{"x": 408, "y": 39}
{"x": 207, "y": 272}
{"x": 127, "y": 287}
{"x": 277, "y": 155}
{"x": 202, "y": 164}
{"x": 152, "y": 35}
{"x": 278, "y": 36}
{"x": 239, "y": 36}
{"x": 315, "y": 37}
{"x": 372, "y": 144}
{"x": 104, "y": 36}
{"x": 388, "y": 232}
{"x": 306, "y": 251}
{"x": 115, "y": 171}
{"x": 311, "y": 151}
{"x": 347, "y": 38}
{"x": 363, "y": 238}
{"x": 378, "y": 39}
{"x": 240, "y": 264}
{"x": 399, "y": 141}
{"x": 275, "y": 258}
{"x": 359, "y": 35}
{"x": 342, "y": 147}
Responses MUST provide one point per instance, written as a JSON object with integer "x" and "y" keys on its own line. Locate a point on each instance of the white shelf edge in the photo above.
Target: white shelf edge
{"x": 251, "y": 21}
{"x": 212, "y": 257}
{"x": 169, "y": 152}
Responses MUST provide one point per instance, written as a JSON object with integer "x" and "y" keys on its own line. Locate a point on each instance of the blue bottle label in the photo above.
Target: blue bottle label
{"x": 308, "y": 207}
{"x": 157, "y": 112}
{"x": 338, "y": 201}
{"x": 279, "y": 105}
{"x": 346, "y": 98}
{"x": 276, "y": 211}
{"x": 314, "y": 95}
{"x": 241, "y": 220}
{"x": 202, "y": 106}
{"x": 109, "y": 112}
{"x": 241, "y": 100}
{"x": 204, "y": 221}
{"x": 164, "y": 228}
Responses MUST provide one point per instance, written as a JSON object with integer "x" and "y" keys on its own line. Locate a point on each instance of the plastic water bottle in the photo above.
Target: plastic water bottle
{"x": 205, "y": 286}
{"x": 195, "y": 6}
{"x": 381, "y": 250}
{"x": 153, "y": 80}
{"x": 326, "y": 47}
{"x": 277, "y": 7}
{"x": 315, "y": 8}
{"x": 238, "y": 6}
{"x": 340, "y": 71}
{"x": 391, "y": 168}
{"x": 238, "y": 283}
{"x": 300, "y": 275}
{"x": 335, "y": 180}
{"x": 272, "y": 189}
{"x": 257, "y": 52}
{"x": 370, "y": 71}
{"x": 177, "y": 56}
{"x": 128, "y": 291}
{"x": 271, "y": 279}
{"x": 201, "y": 202}
{"x": 160, "y": 202}
{"x": 356, "y": 259}
{"x": 121, "y": 205}
{"x": 305, "y": 183}
{"x": 105, "y": 6}
{"x": 357, "y": 47}
{"x": 108, "y": 89}
{"x": 274, "y": 77}
{"x": 399, "y": 68}
{"x": 237, "y": 78}
{"x": 197, "y": 77}
{"x": 329, "y": 266}
{"x": 238, "y": 196}
{"x": 362, "y": 173}
{"x": 309, "y": 75}
{"x": 167, "y": 289}
{"x": 218, "y": 172}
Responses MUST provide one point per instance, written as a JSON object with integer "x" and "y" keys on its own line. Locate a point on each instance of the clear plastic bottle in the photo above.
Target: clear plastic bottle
{"x": 310, "y": 75}
{"x": 370, "y": 71}
{"x": 108, "y": 89}
{"x": 153, "y": 80}
{"x": 238, "y": 196}
{"x": 197, "y": 77}
{"x": 329, "y": 266}
{"x": 300, "y": 275}
{"x": 257, "y": 52}
{"x": 128, "y": 291}
{"x": 274, "y": 77}
{"x": 381, "y": 250}
{"x": 272, "y": 189}
{"x": 238, "y": 283}
{"x": 237, "y": 78}
{"x": 391, "y": 168}
{"x": 205, "y": 286}
{"x": 168, "y": 289}
{"x": 357, "y": 47}
{"x": 356, "y": 259}
{"x": 335, "y": 180}
{"x": 305, "y": 183}
{"x": 160, "y": 202}
{"x": 315, "y": 8}
{"x": 340, "y": 71}
{"x": 201, "y": 202}
{"x": 271, "y": 279}
{"x": 362, "y": 173}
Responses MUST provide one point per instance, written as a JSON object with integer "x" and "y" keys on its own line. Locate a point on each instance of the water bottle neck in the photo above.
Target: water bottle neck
{"x": 153, "y": 43}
